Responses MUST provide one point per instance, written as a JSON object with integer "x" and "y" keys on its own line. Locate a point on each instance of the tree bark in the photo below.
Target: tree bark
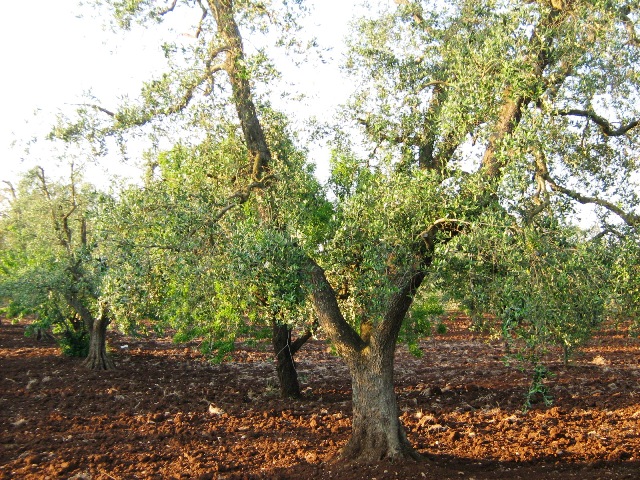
{"x": 97, "y": 359}
{"x": 377, "y": 433}
{"x": 285, "y": 367}
{"x": 241, "y": 87}
{"x": 285, "y": 350}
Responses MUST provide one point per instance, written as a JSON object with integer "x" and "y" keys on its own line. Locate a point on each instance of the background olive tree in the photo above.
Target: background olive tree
{"x": 625, "y": 280}
{"x": 213, "y": 277}
{"x": 542, "y": 288}
{"x": 49, "y": 262}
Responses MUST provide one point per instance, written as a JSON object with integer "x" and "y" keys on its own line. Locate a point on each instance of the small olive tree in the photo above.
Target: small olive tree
{"x": 545, "y": 284}
{"x": 625, "y": 272}
{"x": 49, "y": 266}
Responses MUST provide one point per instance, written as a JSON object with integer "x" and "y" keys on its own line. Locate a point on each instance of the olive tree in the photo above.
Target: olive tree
{"x": 49, "y": 263}
{"x": 211, "y": 278}
{"x": 548, "y": 285}
{"x": 473, "y": 113}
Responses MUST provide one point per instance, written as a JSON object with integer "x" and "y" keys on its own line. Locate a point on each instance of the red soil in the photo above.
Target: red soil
{"x": 167, "y": 413}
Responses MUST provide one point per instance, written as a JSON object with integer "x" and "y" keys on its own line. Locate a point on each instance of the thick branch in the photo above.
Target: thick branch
{"x": 629, "y": 26}
{"x": 434, "y": 83}
{"x": 401, "y": 301}
{"x": 344, "y": 337}
{"x": 241, "y": 87}
{"x": 96, "y": 107}
{"x": 508, "y": 120}
{"x": 383, "y": 137}
{"x": 427, "y": 158}
{"x": 205, "y": 12}
{"x": 39, "y": 172}
{"x": 630, "y": 219}
{"x": 295, "y": 346}
{"x": 541, "y": 196}
{"x": 608, "y": 230}
{"x": 425, "y": 140}
{"x": 387, "y": 332}
{"x": 180, "y": 105}
{"x": 511, "y": 112}
{"x": 605, "y": 126}
{"x": 449, "y": 225}
{"x": 74, "y": 206}
{"x": 183, "y": 102}
{"x": 40, "y": 175}
{"x": 81, "y": 309}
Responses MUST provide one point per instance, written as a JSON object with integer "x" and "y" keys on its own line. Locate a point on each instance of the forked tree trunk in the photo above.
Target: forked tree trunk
{"x": 97, "y": 359}
{"x": 286, "y": 369}
{"x": 285, "y": 349}
{"x": 377, "y": 432}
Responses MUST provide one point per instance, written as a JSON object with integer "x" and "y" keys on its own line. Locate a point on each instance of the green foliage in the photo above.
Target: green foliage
{"x": 425, "y": 311}
{"x": 214, "y": 281}
{"x": 218, "y": 350}
{"x": 625, "y": 272}
{"x": 435, "y": 78}
{"x": 55, "y": 316}
{"x": 538, "y": 391}
{"x": 546, "y": 285}
{"x": 14, "y": 310}
{"x": 74, "y": 343}
{"x": 378, "y": 227}
{"x": 48, "y": 266}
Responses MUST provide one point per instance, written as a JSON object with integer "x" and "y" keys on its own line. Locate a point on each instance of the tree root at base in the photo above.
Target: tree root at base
{"x": 99, "y": 362}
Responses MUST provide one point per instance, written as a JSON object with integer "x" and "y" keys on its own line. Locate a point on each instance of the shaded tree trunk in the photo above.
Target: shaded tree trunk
{"x": 287, "y": 375}
{"x": 285, "y": 349}
{"x": 377, "y": 432}
{"x": 43, "y": 335}
{"x": 97, "y": 359}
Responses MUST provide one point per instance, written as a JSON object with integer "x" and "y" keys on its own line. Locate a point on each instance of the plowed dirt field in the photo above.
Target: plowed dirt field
{"x": 166, "y": 413}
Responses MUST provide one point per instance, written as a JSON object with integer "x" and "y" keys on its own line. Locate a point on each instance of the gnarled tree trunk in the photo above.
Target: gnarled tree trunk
{"x": 287, "y": 375}
{"x": 97, "y": 359}
{"x": 285, "y": 349}
{"x": 377, "y": 432}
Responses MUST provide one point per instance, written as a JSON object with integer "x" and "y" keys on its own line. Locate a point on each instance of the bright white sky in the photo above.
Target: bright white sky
{"x": 50, "y": 57}
{"x": 54, "y": 51}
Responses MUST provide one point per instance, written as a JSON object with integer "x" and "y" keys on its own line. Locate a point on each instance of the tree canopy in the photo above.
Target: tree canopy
{"x": 50, "y": 264}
